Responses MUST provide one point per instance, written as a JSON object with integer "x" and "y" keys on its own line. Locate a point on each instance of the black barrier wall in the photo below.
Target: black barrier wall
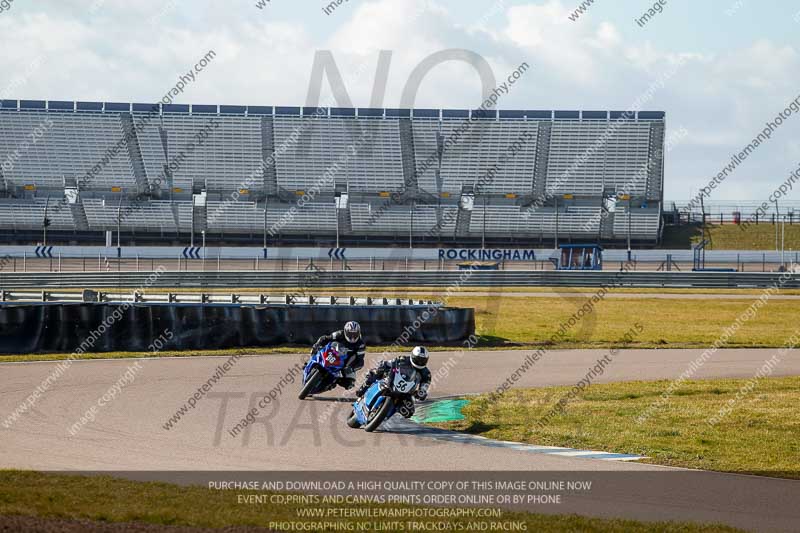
{"x": 29, "y": 328}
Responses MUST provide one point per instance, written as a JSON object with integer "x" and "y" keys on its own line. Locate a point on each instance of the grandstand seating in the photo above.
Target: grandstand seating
{"x": 316, "y": 149}
{"x": 230, "y": 153}
{"x": 369, "y": 219}
{"x": 70, "y": 146}
{"x": 511, "y": 219}
{"x": 228, "y": 216}
{"x": 153, "y": 215}
{"x": 484, "y": 146}
{"x": 29, "y": 214}
{"x": 432, "y": 157}
{"x": 644, "y": 222}
{"x": 617, "y": 163}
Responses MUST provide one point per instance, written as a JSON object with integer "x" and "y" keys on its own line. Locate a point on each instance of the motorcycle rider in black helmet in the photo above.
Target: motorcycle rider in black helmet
{"x": 350, "y": 339}
{"x": 418, "y": 360}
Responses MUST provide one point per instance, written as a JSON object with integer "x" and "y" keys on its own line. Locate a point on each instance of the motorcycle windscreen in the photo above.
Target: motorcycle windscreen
{"x": 315, "y": 360}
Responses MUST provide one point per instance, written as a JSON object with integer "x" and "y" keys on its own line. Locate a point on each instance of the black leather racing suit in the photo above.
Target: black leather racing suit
{"x": 382, "y": 369}
{"x": 355, "y": 354}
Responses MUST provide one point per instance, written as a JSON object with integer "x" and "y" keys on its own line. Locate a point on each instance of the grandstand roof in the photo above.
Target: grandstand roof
{"x": 339, "y": 112}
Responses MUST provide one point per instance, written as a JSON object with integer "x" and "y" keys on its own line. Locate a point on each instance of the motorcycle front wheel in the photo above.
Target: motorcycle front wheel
{"x": 352, "y": 421}
{"x": 311, "y": 385}
{"x": 377, "y": 419}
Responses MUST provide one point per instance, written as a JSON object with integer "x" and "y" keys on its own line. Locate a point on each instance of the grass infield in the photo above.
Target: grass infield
{"x": 759, "y": 435}
{"x": 111, "y": 500}
{"x": 734, "y": 236}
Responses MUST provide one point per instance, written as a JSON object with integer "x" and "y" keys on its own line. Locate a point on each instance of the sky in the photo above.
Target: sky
{"x": 720, "y": 69}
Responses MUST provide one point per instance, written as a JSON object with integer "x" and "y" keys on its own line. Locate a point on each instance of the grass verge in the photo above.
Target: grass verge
{"x": 107, "y": 499}
{"x": 758, "y": 436}
{"x": 733, "y": 236}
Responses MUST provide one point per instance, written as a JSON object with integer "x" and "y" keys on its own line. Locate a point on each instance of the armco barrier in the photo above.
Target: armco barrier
{"x": 64, "y": 327}
{"x": 354, "y": 278}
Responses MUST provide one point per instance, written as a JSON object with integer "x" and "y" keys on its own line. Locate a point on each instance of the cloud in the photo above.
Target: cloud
{"x": 265, "y": 57}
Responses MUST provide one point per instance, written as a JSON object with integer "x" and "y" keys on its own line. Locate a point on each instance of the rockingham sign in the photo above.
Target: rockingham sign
{"x": 487, "y": 254}
{"x": 198, "y": 253}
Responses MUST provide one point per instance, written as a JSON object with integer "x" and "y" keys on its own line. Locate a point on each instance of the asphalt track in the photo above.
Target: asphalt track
{"x": 128, "y": 433}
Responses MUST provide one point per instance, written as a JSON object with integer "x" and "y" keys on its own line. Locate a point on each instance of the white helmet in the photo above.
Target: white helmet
{"x": 352, "y": 331}
{"x": 419, "y": 357}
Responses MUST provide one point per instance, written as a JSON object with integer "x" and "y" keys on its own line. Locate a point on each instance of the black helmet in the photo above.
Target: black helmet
{"x": 419, "y": 357}
{"x": 352, "y": 331}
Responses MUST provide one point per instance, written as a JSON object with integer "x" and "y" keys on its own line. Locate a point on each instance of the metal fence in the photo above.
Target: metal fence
{"x": 365, "y": 279}
{"x": 87, "y": 296}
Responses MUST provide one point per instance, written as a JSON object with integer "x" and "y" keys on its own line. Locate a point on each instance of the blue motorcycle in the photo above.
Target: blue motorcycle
{"x": 323, "y": 370}
{"x": 383, "y": 398}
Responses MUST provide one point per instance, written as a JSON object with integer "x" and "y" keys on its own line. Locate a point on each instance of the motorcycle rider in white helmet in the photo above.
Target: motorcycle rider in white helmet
{"x": 418, "y": 361}
{"x": 350, "y": 339}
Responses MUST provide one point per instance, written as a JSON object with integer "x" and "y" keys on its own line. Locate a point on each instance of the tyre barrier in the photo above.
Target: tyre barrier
{"x": 128, "y": 326}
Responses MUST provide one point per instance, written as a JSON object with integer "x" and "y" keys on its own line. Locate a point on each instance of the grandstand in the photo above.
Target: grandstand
{"x": 160, "y": 172}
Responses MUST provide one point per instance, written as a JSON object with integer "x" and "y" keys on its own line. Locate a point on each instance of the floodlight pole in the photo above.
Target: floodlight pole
{"x": 119, "y": 227}
{"x": 629, "y": 228}
{"x": 337, "y": 224}
{"x": 783, "y": 239}
{"x": 556, "y": 236}
{"x": 44, "y": 222}
{"x": 483, "y": 234}
{"x": 411, "y": 228}
{"x": 266, "y": 205}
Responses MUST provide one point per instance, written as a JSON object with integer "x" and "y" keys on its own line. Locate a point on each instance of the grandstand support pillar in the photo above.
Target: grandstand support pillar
{"x": 539, "y": 190}
{"x": 407, "y": 154}
{"x": 269, "y": 174}
{"x": 134, "y": 153}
